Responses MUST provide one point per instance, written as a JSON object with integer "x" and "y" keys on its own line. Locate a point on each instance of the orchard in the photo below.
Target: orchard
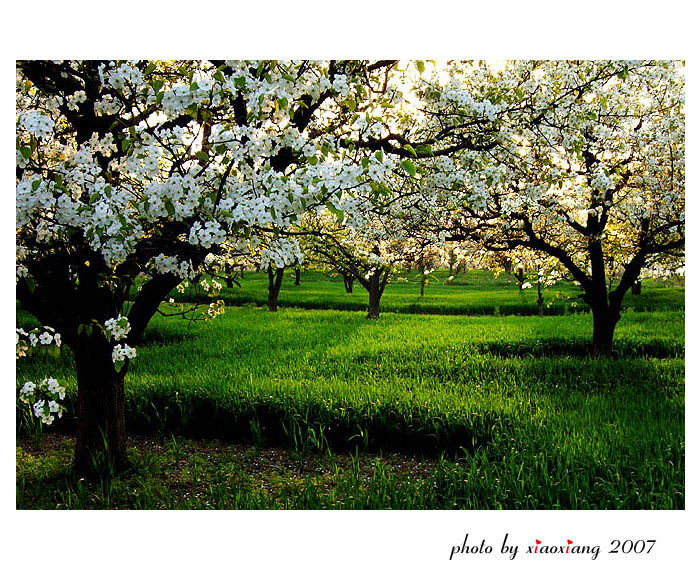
{"x": 188, "y": 234}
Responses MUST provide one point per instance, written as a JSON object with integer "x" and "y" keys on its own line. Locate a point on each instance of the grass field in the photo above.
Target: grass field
{"x": 325, "y": 409}
{"x": 470, "y": 293}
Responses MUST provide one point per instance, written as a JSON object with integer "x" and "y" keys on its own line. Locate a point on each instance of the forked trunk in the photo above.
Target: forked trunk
{"x": 101, "y": 438}
{"x": 348, "y": 281}
{"x": 274, "y": 278}
{"x": 147, "y": 302}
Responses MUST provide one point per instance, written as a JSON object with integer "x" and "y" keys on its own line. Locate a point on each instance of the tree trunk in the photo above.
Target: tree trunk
{"x": 520, "y": 277}
{"x": 274, "y": 278}
{"x": 604, "y": 322}
{"x": 540, "y": 300}
{"x": 147, "y": 302}
{"x": 375, "y": 295}
{"x": 297, "y": 276}
{"x": 422, "y": 284}
{"x": 637, "y": 288}
{"x": 101, "y": 438}
{"x": 348, "y": 281}
{"x": 229, "y": 276}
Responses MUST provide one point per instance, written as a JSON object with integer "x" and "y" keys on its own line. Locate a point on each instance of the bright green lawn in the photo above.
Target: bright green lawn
{"x": 523, "y": 418}
{"x": 471, "y": 293}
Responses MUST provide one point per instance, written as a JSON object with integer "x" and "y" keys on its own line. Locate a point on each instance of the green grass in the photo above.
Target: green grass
{"x": 471, "y": 293}
{"x": 510, "y": 412}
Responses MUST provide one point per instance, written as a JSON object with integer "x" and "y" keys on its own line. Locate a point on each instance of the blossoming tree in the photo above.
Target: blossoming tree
{"x": 145, "y": 168}
{"x": 588, "y": 168}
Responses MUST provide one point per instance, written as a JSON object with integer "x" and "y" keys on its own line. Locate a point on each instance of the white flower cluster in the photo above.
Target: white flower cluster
{"x": 35, "y": 338}
{"x": 121, "y": 76}
{"x": 117, "y": 329}
{"x": 47, "y": 409}
{"x": 215, "y": 286}
{"x": 462, "y": 98}
{"x": 170, "y": 264}
{"x": 75, "y": 99}
{"x": 215, "y": 309}
{"x": 208, "y": 234}
{"x": 37, "y": 123}
{"x": 601, "y": 181}
{"x": 122, "y": 352}
{"x": 280, "y": 253}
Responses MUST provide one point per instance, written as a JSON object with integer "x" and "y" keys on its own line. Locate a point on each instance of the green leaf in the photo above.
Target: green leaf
{"x": 313, "y": 160}
{"x": 425, "y": 149}
{"x": 408, "y": 167}
{"x": 379, "y": 156}
{"x": 31, "y": 283}
{"x": 149, "y": 69}
{"x": 420, "y": 65}
{"x": 410, "y": 150}
{"x": 169, "y": 207}
{"x": 335, "y": 211}
{"x": 26, "y": 152}
{"x": 202, "y": 156}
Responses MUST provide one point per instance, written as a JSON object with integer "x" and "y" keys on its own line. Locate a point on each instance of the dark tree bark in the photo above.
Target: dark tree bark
{"x": 229, "y": 278}
{"x": 274, "y": 278}
{"x": 147, "y": 302}
{"x": 375, "y": 288}
{"x": 637, "y": 288}
{"x": 520, "y": 277}
{"x": 540, "y": 299}
{"x": 297, "y": 276}
{"x": 604, "y": 322}
{"x": 348, "y": 281}
{"x": 101, "y": 437}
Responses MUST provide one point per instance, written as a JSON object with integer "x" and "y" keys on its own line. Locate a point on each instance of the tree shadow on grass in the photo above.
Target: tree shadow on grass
{"x": 557, "y": 347}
